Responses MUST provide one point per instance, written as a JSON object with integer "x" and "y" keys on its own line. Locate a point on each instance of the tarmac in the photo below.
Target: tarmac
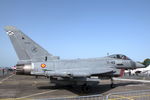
{"x": 23, "y": 86}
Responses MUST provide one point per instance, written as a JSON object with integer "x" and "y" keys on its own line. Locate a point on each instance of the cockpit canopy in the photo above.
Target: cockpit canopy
{"x": 119, "y": 56}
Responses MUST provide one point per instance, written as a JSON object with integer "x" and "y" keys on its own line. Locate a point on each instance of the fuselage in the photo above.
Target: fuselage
{"x": 93, "y": 63}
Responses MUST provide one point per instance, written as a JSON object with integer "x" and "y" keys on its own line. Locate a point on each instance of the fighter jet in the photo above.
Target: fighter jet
{"x": 140, "y": 71}
{"x": 35, "y": 60}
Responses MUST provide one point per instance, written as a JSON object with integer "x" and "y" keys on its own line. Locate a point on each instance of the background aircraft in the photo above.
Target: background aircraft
{"x": 35, "y": 60}
{"x": 140, "y": 71}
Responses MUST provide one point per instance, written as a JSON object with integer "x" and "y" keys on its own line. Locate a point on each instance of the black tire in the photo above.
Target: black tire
{"x": 86, "y": 88}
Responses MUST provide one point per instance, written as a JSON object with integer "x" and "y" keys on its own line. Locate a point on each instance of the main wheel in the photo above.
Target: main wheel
{"x": 86, "y": 88}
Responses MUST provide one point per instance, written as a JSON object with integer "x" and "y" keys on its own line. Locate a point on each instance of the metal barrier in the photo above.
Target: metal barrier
{"x": 90, "y": 97}
{"x": 130, "y": 95}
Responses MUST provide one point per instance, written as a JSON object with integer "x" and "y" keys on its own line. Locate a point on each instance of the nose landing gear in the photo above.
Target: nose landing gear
{"x": 112, "y": 83}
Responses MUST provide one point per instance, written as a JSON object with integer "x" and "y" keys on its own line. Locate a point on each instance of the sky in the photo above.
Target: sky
{"x": 78, "y": 28}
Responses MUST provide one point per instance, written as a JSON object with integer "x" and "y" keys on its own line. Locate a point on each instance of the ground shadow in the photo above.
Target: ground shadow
{"x": 98, "y": 89}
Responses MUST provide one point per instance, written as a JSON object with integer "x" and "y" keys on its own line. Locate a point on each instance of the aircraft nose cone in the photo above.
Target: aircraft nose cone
{"x": 138, "y": 65}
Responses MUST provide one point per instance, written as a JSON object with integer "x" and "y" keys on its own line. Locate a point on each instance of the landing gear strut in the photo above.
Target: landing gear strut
{"x": 112, "y": 83}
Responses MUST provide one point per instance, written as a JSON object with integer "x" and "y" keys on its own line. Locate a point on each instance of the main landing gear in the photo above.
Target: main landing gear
{"x": 85, "y": 88}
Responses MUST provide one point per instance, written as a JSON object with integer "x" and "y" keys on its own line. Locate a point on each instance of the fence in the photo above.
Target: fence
{"x": 90, "y": 97}
{"x": 129, "y": 95}
{"x": 5, "y": 72}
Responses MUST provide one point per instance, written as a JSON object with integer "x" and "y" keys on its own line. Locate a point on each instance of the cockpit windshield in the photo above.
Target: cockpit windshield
{"x": 119, "y": 56}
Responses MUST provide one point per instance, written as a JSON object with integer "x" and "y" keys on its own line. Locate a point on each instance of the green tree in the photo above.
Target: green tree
{"x": 146, "y": 62}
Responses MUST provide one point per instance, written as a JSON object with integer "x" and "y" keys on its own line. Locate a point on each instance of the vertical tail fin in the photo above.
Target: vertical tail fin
{"x": 25, "y": 47}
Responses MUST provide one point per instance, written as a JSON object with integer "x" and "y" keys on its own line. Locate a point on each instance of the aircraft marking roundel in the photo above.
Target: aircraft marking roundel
{"x": 43, "y": 65}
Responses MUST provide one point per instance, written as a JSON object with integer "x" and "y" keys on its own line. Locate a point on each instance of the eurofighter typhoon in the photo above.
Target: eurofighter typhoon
{"x": 35, "y": 60}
